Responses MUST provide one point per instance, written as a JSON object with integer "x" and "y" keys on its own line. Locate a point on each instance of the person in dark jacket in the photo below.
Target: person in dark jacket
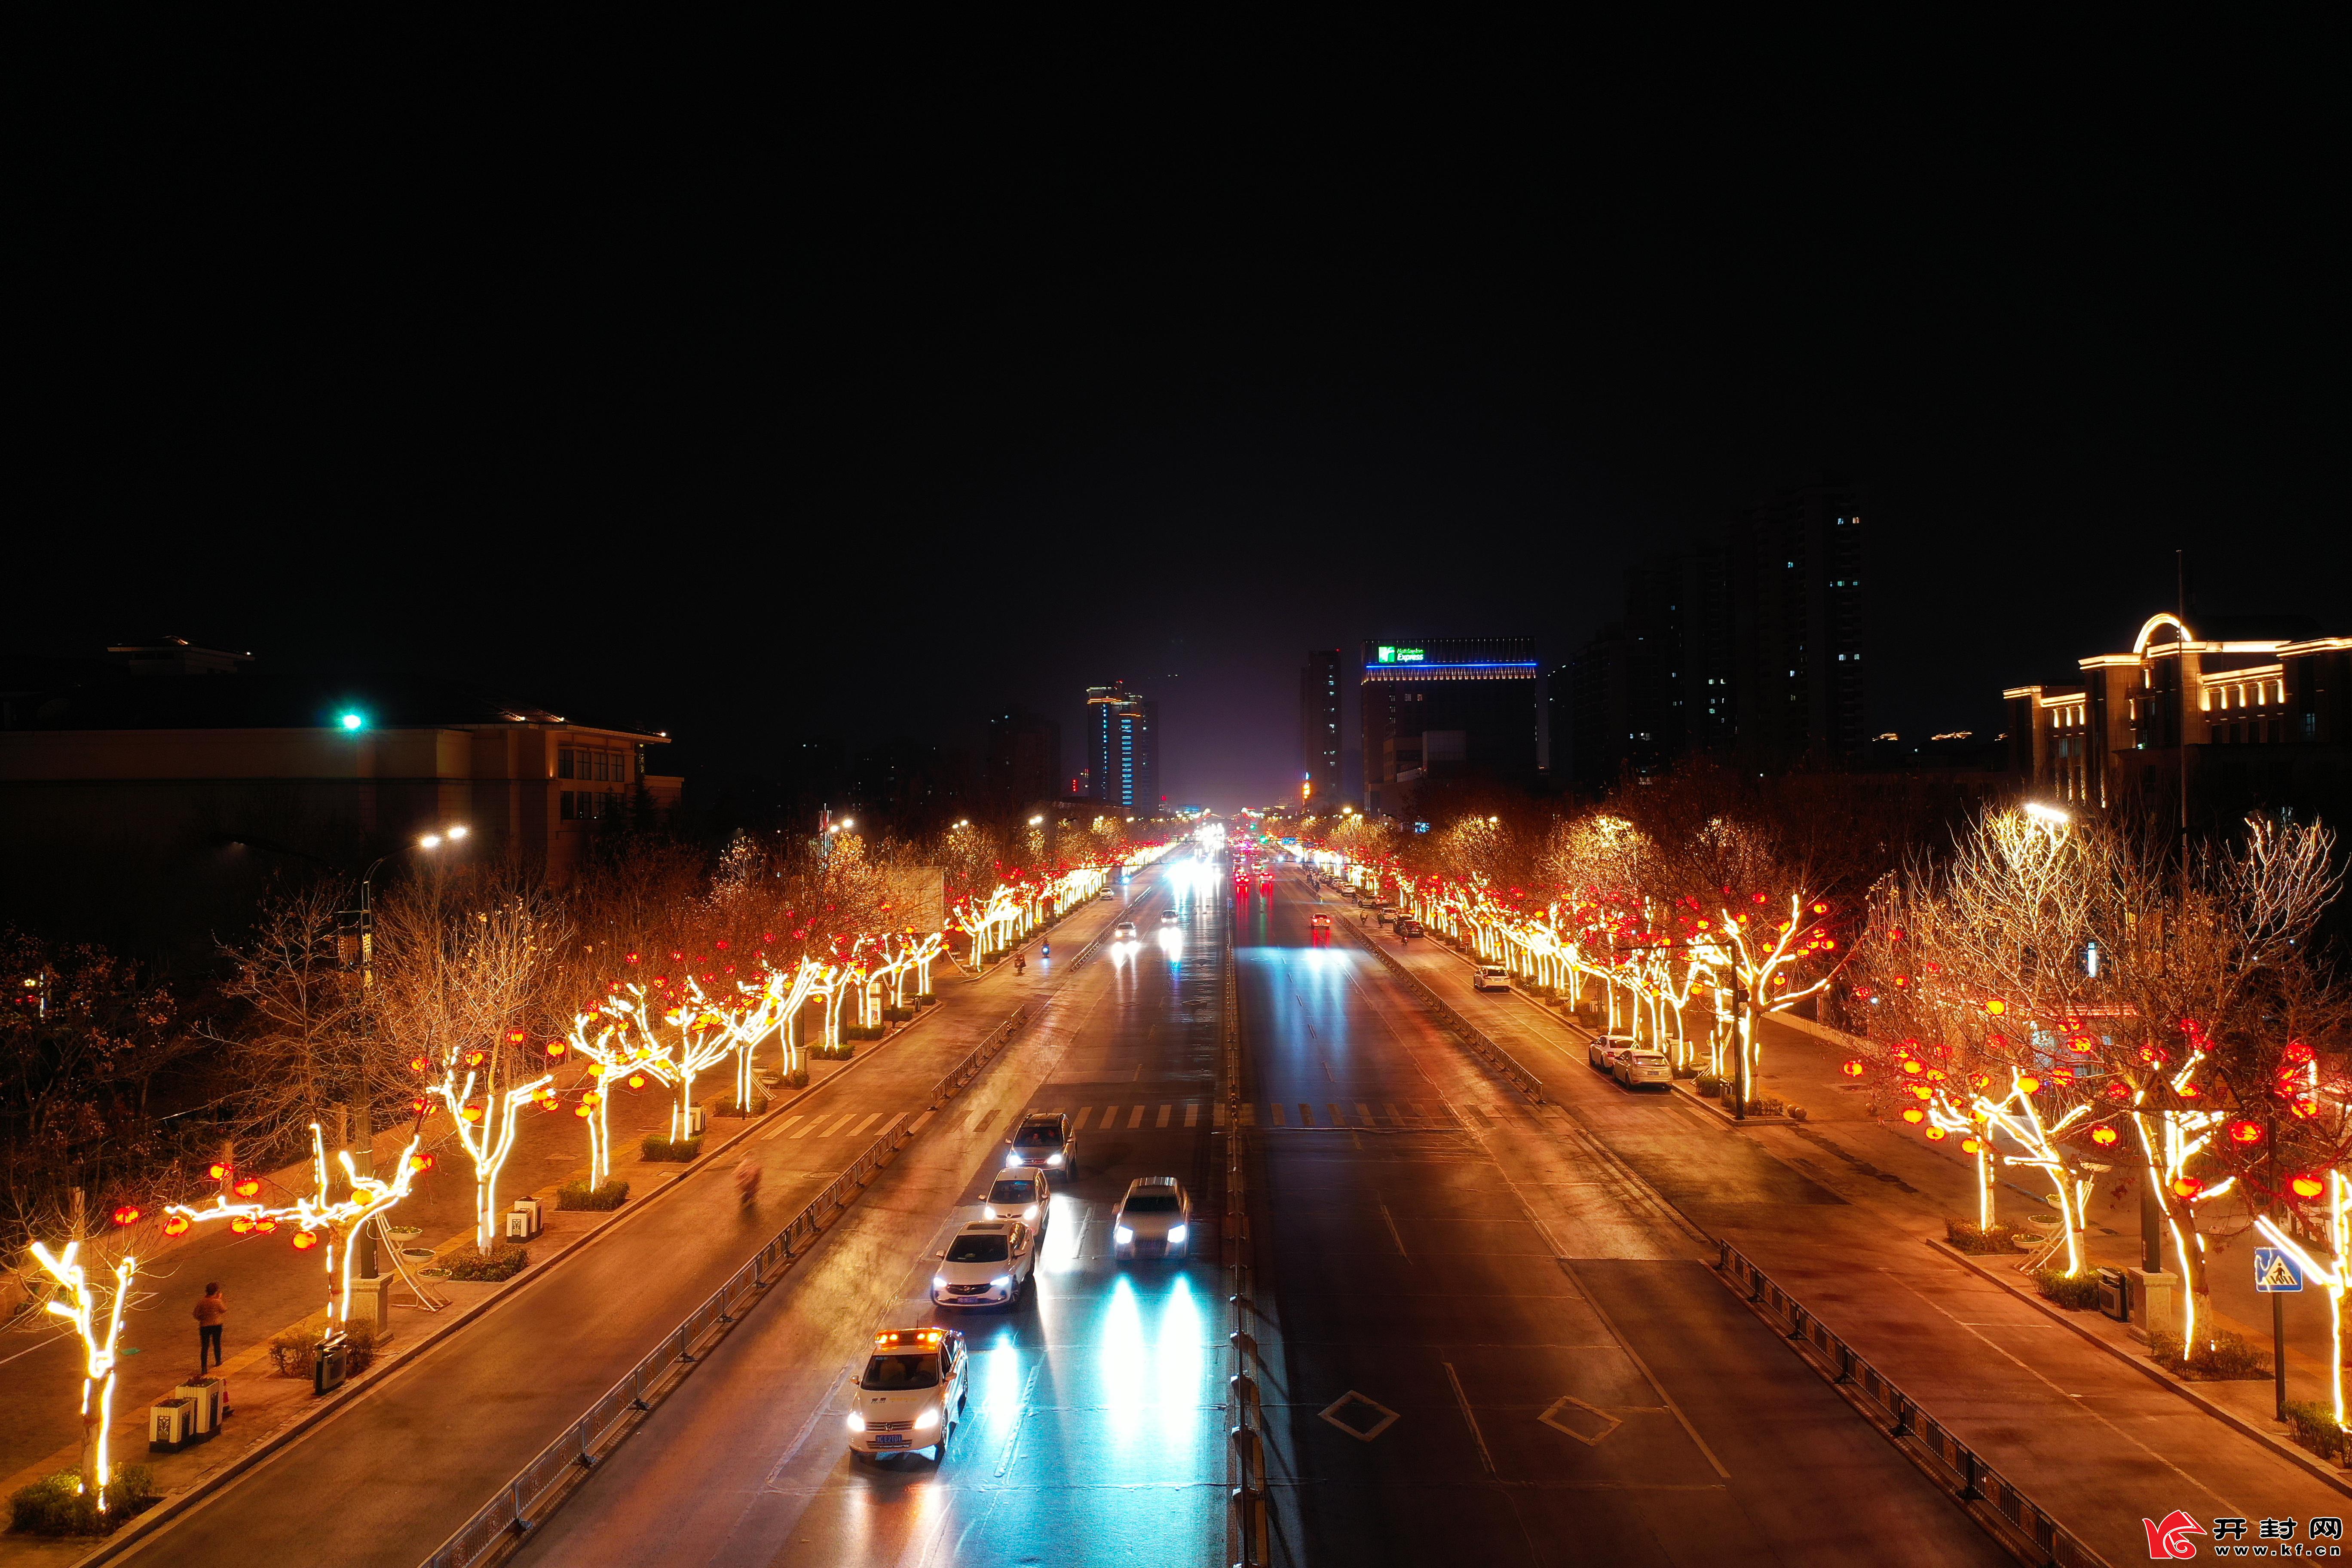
{"x": 208, "y": 1315}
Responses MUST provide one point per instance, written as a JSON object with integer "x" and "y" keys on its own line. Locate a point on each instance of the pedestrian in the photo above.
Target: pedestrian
{"x": 208, "y": 1315}
{"x": 1020, "y": 964}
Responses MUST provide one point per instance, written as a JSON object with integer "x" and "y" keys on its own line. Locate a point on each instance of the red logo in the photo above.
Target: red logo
{"x": 2169, "y": 1540}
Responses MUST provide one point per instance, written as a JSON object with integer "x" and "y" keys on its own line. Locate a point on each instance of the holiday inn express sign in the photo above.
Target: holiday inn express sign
{"x": 1400, "y": 655}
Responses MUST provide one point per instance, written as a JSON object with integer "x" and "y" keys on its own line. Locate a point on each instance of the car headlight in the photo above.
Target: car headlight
{"x": 1053, "y": 1158}
{"x": 939, "y": 1282}
{"x": 927, "y": 1420}
{"x": 1013, "y": 1157}
{"x": 1030, "y": 1212}
{"x": 857, "y": 1422}
{"x": 1121, "y": 1235}
{"x": 1175, "y": 1233}
{"x": 1002, "y": 1282}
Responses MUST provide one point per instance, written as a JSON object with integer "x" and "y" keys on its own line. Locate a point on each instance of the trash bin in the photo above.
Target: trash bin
{"x": 2114, "y": 1295}
{"x": 332, "y": 1365}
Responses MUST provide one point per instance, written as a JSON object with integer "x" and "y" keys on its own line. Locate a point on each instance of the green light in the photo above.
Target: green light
{"x": 353, "y": 721}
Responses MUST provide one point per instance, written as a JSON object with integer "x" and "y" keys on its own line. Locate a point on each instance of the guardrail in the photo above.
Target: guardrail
{"x": 2007, "y": 1513}
{"x": 534, "y": 1492}
{"x": 1245, "y": 1443}
{"x": 1505, "y": 1065}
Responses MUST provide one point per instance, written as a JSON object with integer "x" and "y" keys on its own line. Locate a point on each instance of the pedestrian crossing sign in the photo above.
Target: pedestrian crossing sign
{"x": 2275, "y": 1273}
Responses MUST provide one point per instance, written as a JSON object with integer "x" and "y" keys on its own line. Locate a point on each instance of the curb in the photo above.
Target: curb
{"x": 153, "y": 1521}
{"x": 2309, "y": 1461}
{"x": 1757, "y": 1118}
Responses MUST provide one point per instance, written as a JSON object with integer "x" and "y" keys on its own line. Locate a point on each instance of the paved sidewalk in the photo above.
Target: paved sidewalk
{"x": 531, "y": 1365}
{"x": 1840, "y": 1215}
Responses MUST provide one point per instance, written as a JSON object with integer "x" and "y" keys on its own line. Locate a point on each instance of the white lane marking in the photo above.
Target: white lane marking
{"x": 810, "y": 1128}
{"x": 847, "y": 1117}
{"x": 1192, "y": 1114}
{"x": 1394, "y": 1235}
{"x": 1462, "y": 1399}
{"x": 869, "y": 1121}
{"x": 1277, "y": 1108}
{"x": 1216, "y": 1115}
{"x": 1366, "y": 1113}
{"x": 1135, "y": 1119}
{"x": 1338, "y": 1120}
{"x": 788, "y": 1125}
{"x": 1079, "y": 1122}
{"x": 1165, "y": 1113}
{"x": 884, "y": 1130}
{"x": 1395, "y": 1114}
{"x": 822, "y": 1408}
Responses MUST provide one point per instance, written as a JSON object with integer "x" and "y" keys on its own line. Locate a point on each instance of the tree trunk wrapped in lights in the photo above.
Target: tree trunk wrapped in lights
{"x": 677, "y": 1033}
{"x": 95, "y": 1289}
{"x": 339, "y": 1220}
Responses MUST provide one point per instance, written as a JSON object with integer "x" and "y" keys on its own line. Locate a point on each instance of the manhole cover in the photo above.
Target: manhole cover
{"x": 1359, "y": 1417}
{"x": 1587, "y": 1423}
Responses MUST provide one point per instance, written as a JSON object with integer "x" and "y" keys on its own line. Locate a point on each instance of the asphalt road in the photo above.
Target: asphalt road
{"x": 1092, "y": 1436}
{"x": 1488, "y": 1344}
{"x": 404, "y": 1463}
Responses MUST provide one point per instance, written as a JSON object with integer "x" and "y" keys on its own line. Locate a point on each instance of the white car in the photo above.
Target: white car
{"x": 1635, "y": 1067}
{"x": 1154, "y": 1220}
{"x": 1170, "y": 917}
{"x": 1491, "y": 977}
{"x": 910, "y": 1395}
{"x": 988, "y": 1264}
{"x": 1123, "y": 932}
{"x": 1605, "y": 1050}
{"x": 1023, "y": 1194}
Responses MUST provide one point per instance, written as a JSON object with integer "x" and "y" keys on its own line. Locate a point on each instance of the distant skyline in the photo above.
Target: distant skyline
{"x": 969, "y": 426}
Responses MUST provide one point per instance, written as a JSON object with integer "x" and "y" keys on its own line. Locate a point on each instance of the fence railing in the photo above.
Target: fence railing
{"x": 1245, "y": 1442}
{"x": 534, "y": 1490}
{"x": 2007, "y": 1512}
{"x": 1505, "y": 1065}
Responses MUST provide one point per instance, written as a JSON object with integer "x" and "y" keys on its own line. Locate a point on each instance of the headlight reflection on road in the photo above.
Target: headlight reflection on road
{"x": 1058, "y": 1253}
{"x": 1153, "y": 1358}
{"x": 1171, "y": 943}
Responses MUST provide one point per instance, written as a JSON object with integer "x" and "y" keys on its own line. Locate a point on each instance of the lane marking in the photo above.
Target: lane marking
{"x": 1394, "y": 1115}
{"x": 1165, "y": 1113}
{"x": 1462, "y": 1399}
{"x": 1192, "y": 1114}
{"x": 1394, "y": 1235}
{"x": 847, "y": 1117}
{"x": 788, "y": 1124}
{"x": 862, "y": 1126}
{"x": 1635, "y": 1357}
{"x": 1216, "y": 1115}
{"x": 1305, "y": 1114}
{"x": 1338, "y": 1120}
{"x": 810, "y": 1128}
{"x": 1135, "y": 1117}
{"x": 1078, "y": 1124}
{"x": 1249, "y": 1115}
{"x": 1277, "y": 1108}
{"x": 822, "y": 1408}
{"x": 884, "y": 1130}
{"x": 1366, "y": 1113}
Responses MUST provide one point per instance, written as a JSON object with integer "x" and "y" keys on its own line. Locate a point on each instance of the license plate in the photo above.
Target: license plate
{"x": 890, "y": 1440}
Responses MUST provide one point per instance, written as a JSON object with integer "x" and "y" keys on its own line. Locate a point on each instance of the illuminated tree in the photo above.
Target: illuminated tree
{"x": 89, "y": 1285}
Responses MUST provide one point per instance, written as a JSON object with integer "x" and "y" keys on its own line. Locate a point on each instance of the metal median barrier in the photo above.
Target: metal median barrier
{"x": 1995, "y": 1503}
{"x": 542, "y": 1484}
{"x": 1246, "y": 1536}
{"x": 1485, "y": 1050}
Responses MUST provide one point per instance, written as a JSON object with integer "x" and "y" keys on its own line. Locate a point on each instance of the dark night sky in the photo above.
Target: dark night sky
{"x": 871, "y": 419}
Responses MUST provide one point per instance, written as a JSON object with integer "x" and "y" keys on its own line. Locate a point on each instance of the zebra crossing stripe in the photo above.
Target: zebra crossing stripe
{"x": 1192, "y": 1114}
{"x": 869, "y": 1121}
{"x": 1366, "y": 1113}
{"x": 1136, "y": 1119}
{"x": 1079, "y": 1122}
{"x": 1165, "y": 1113}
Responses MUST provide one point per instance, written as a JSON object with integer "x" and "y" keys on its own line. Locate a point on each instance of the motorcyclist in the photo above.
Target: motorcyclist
{"x": 746, "y": 1180}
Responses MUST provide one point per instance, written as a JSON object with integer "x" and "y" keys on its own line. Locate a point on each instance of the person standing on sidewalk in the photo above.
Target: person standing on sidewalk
{"x": 208, "y": 1315}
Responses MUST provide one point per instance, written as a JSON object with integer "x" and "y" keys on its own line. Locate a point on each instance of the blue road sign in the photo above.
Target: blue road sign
{"x": 2276, "y": 1273}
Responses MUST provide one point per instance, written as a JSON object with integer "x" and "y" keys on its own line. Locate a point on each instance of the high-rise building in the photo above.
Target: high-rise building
{"x": 1024, "y": 760}
{"x": 1447, "y": 707}
{"x": 1123, "y": 748}
{"x": 1318, "y": 727}
{"x": 1747, "y": 644}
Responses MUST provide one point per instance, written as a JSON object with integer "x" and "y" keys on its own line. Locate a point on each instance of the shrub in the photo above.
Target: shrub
{"x": 2075, "y": 1292}
{"x": 1710, "y": 1086}
{"x": 727, "y": 1107}
{"x": 1685, "y": 1072}
{"x": 295, "y": 1351}
{"x": 52, "y": 1506}
{"x": 2224, "y": 1358}
{"x": 2312, "y": 1425}
{"x": 897, "y": 1014}
{"x": 1979, "y": 1240}
{"x": 580, "y": 1195}
{"x": 501, "y": 1262}
{"x": 928, "y": 999}
{"x": 659, "y": 1147}
{"x": 797, "y": 1078}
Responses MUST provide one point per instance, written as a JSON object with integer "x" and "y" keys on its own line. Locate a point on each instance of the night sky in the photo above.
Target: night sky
{"x": 791, "y": 421}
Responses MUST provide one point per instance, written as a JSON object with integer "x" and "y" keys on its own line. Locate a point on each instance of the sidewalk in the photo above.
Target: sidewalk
{"x": 657, "y": 1270}
{"x": 1841, "y": 1214}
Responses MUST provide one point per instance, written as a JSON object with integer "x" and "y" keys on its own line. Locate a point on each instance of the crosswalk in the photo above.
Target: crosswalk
{"x": 1414, "y": 1115}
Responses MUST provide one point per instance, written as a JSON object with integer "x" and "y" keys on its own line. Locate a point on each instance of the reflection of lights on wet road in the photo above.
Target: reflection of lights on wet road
{"x": 1058, "y": 1253}
{"x": 1153, "y": 1356}
{"x": 1125, "y": 1367}
{"x": 1172, "y": 942}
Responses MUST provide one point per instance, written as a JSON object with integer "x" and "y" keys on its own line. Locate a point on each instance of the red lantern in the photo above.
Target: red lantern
{"x": 515, "y": 1037}
{"x": 584, "y": 1111}
{"x": 1995, "y": 1006}
{"x": 418, "y": 1105}
{"x": 421, "y": 1162}
{"x": 2306, "y": 1186}
{"x": 418, "y": 1064}
{"x": 1850, "y": 1069}
{"x": 1936, "y": 1134}
{"x": 2245, "y": 1132}
{"x": 249, "y": 1188}
{"x": 1915, "y": 1116}
{"x": 556, "y": 1047}
{"x": 2028, "y": 1084}
{"x": 2187, "y": 1186}
{"x": 304, "y": 1241}
{"x": 473, "y": 1113}
{"x": 129, "y": 1214}
{"x": 1970, "y": 1145}
{"x": 265, "y": 1226}
{"x": 636, "y": 1080}
{"x": 1913, "y": 1064}
{"x": 240, "y": 1225}
{"x": 178, "y": 1225}
{"x": 221, "y": 1170}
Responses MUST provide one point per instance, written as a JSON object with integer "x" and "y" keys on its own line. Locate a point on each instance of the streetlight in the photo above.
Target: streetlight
{"x": 2049, "y": 814}
{"x": 1035, "y": 820}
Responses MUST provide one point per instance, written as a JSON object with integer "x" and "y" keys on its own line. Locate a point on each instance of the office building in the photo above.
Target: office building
{"x": 1123, "y": 749}
{"x": 1447, "y": 707}
{"x": 1024, "y": 760}
{"x": 2264, "y": 708}
{"x": 1318, "y": 728}
{"x": 1747, "y": 644}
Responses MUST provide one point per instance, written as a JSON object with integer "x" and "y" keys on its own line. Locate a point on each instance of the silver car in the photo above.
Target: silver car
{"x": 1642, "y": 1065}
{"x": 1605, "y": 1050}
{"x": 1154, "y": 1220}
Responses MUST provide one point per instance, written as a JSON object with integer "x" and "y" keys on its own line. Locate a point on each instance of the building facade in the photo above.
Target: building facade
{"x": 2251, "y": 716}
{"x": 1447, "y": 707}
{"x": 1318, "y": 728}
{"x": 1024, "y": 760}
{"x": 1747, "y": 644}
{"x": 1123, "y": 749}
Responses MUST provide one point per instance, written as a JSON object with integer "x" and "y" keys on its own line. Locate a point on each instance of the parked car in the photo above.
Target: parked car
{"x": 1491, "y": 977}
{"x": 1154, "y": 1220}
{"x": 1641, "y": 1065}
{"x": 988, "y": 1264}
{"x": 1605, "y": 1050}
{"x": 1409, "y": 927}
{"x": 1043, "y": 1138}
